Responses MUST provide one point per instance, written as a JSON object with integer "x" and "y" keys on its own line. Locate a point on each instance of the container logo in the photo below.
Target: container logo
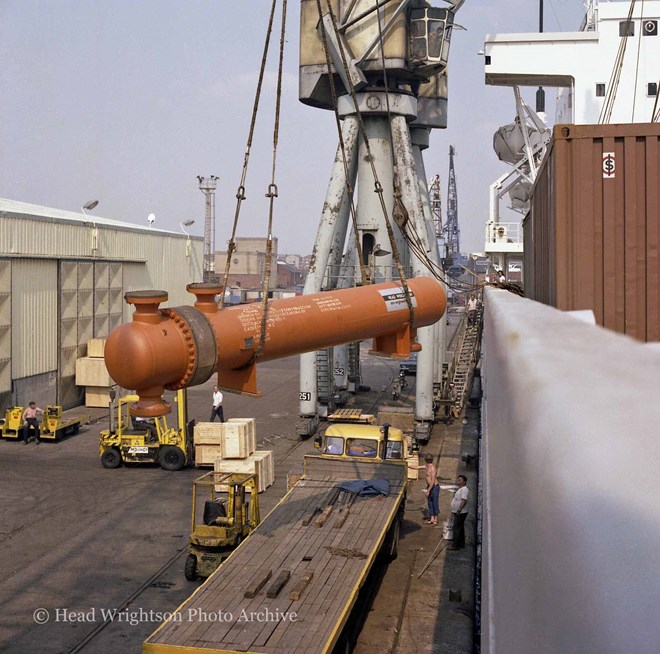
{"x": 609, "y": 165}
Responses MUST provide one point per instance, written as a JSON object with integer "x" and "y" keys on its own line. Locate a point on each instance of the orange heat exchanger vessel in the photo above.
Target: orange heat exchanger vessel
{"x": 176, "y": 347}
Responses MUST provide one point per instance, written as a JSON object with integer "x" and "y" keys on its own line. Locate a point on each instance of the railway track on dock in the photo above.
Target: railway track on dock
{"x": 172, "y": 568}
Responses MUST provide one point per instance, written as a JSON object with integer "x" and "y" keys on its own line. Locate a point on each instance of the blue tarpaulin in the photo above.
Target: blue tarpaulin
{"x": 366, "y": 487}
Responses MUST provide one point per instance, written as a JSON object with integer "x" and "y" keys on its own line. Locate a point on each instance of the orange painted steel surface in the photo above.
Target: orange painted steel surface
{"x": 183, "y": 346}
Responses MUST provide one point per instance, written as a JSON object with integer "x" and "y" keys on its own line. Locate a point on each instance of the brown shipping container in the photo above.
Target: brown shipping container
{"x": 592, "y": 235}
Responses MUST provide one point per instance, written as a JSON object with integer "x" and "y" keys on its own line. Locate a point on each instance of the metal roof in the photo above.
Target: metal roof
{"x": 38, "y": 212}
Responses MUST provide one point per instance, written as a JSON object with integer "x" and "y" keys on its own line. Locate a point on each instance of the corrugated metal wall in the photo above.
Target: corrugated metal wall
{"x": 5, "y": 332}
{"x": 161, "y": 253}
{"x": 34, "y": 317}
{"x": 69, "y": 334}
{"x": 90, "y": 306}
{"x": 594, "y": 241}
{"x": 56, "y": 293}
{"x": 108, "y": 297}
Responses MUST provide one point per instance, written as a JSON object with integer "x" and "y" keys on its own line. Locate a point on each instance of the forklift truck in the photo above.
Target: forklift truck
{"x": 135, "y": 440}
{"x": 224, "y": 522}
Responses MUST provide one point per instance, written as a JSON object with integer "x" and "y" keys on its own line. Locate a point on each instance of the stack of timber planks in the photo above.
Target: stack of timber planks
{"x": 231, "y": 447}
{"x": 93, "y": 375}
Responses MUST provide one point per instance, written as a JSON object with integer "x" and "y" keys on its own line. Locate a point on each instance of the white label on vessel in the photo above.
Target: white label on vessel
{"x": 395, "y": 299}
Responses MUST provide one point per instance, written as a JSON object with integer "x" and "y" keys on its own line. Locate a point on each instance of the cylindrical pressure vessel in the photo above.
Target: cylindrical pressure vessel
{"x": 176, "y": 347}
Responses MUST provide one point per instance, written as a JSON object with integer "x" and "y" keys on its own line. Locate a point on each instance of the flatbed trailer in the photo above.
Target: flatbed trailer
{"x": 324, "y": 554}
{"x": 54, "y": 426}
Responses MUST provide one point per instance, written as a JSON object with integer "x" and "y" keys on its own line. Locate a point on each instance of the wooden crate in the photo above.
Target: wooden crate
{"x": 269, "y": 459}
{"x": 235, "y": 440}
{"x": 206, "y": 455}
{"x": 91, "y": 371}
{"x": 413, "y": 462}
{"x": 96, "y": 347}
{"x": 97, "y": 396}
{"x": 208, "y": 433}
{"x": 259, "y": 464}
{"x": 252, "y": 431}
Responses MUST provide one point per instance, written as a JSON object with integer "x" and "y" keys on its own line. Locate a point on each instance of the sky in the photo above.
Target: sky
{"x": 127, "y": 101}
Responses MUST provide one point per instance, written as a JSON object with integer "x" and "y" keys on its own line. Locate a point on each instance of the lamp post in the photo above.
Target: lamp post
{"x": 207, "y": 185}
{"x": 378, "y": 252}
{"x": 88, "y": 206}
{"x": 183, "y": 224}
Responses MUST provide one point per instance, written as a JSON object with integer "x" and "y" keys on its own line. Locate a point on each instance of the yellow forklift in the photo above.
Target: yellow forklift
{"x": 224, "y": 521}
{"x": 137, "y": 440}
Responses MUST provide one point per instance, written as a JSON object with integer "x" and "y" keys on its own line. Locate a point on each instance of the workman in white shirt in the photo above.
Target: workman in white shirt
{"x": 217, "y": 410}
{"x": 471, "y": 309}
{"x": 459, "y": 511}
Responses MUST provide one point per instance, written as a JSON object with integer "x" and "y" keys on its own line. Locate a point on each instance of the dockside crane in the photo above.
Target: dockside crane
{"x": 435, "y": 198}
{"x": 382, "y": 69}
{"x": 452, "y": 229}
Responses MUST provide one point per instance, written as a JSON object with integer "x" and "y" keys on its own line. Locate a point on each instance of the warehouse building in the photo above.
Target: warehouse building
{"x": 248, "y": 263}
{"x": 63, "y": 276}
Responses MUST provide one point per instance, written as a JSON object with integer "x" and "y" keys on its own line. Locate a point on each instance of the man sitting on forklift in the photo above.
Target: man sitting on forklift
{"x": 31, "y": 422}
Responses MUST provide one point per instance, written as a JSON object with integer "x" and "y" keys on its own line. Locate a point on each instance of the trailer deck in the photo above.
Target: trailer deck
{"x": 321, "y": 554}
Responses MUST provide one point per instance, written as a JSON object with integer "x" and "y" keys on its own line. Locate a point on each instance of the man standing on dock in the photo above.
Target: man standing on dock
{"x": 217, "y": 409}
{"x": 459, "y": 511}
{"x": 432, "y": 490}
{"x": 471, "y": 310}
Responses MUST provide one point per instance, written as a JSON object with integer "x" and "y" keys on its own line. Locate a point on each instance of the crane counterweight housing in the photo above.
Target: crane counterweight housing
{"x": 183, "y": 346}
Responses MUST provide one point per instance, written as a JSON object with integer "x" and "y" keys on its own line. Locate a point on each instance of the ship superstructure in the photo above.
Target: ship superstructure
{"x": 606, "y": 72}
